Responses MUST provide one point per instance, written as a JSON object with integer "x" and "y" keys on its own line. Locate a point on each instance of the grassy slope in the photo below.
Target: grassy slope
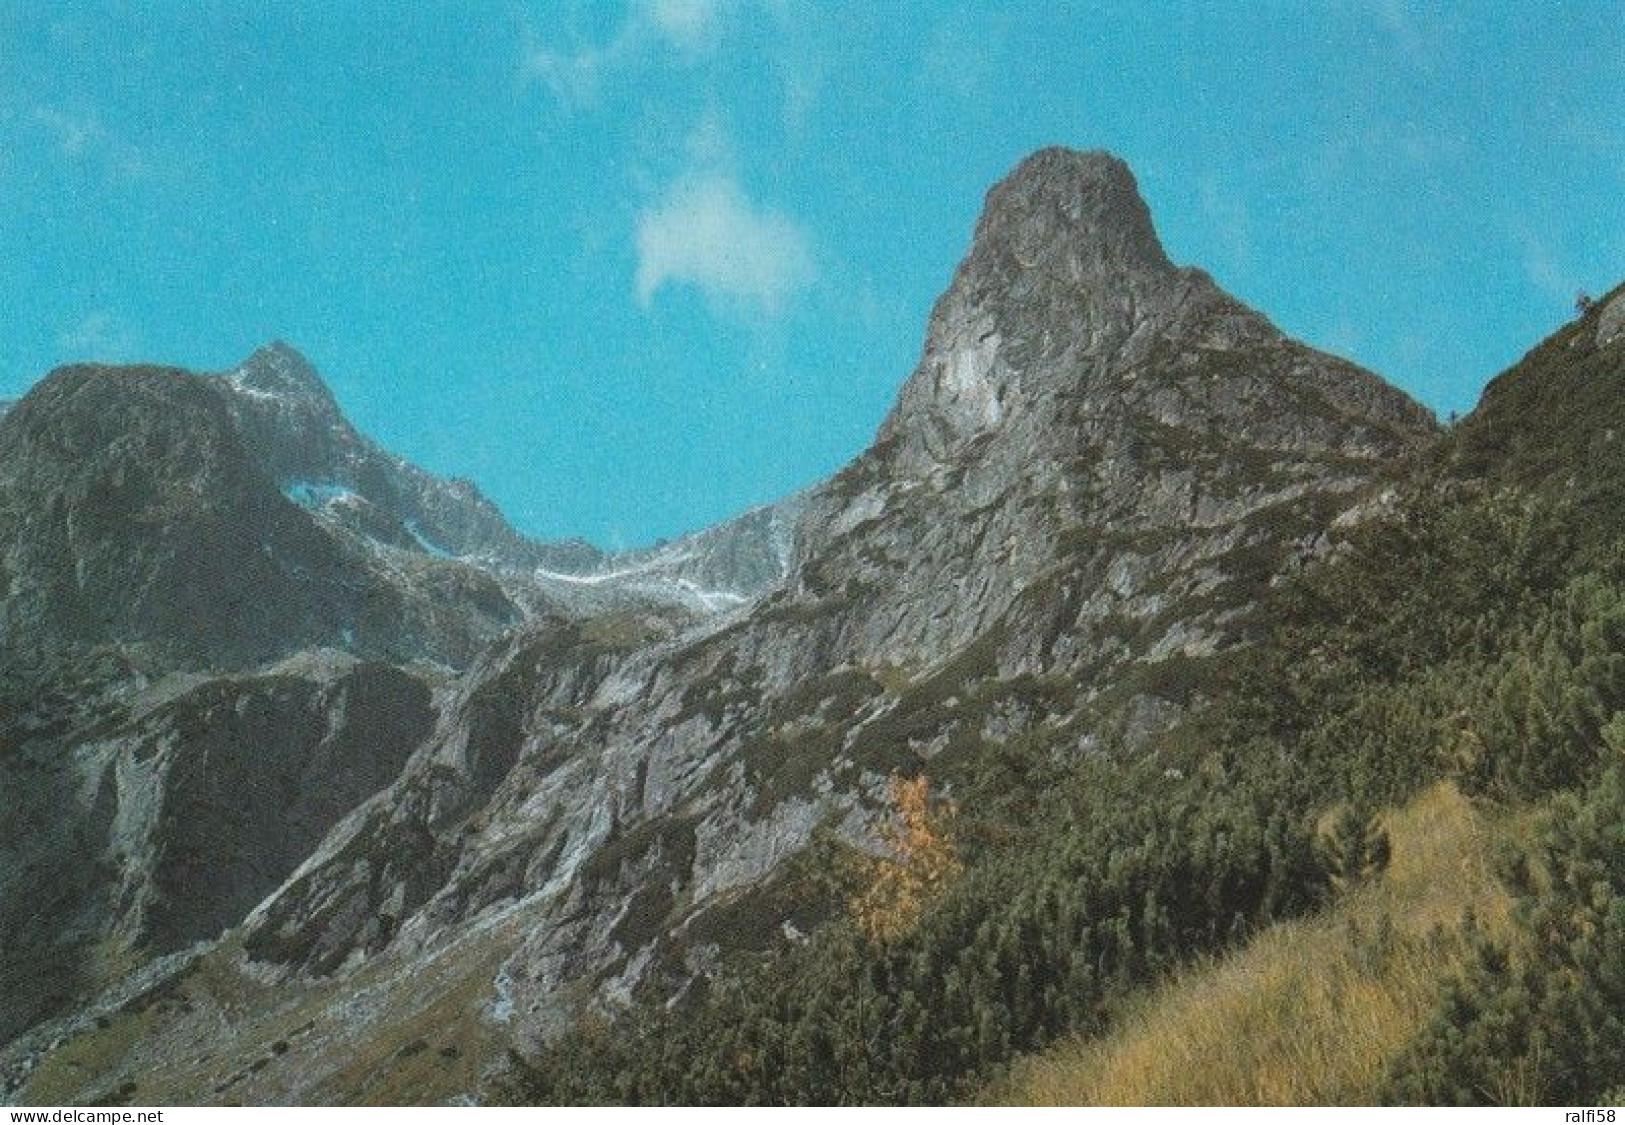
{"x": 1310, "y": 1011}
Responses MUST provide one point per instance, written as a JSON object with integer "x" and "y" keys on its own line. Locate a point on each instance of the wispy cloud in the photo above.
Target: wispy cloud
{"x": 685, "y": 28}
{"x": 698, "y": 226}
{"x": 1227, "y": 214}
{"x": 1397, "y": 19}
{"x": 705, "y": 231}
{"x": 1545, "y": 269}
{"x": 102, "y": 335}
{"x": 964, "y": 55}
{"x": 688, "y": 24}
{"x": 82, "y": 137}
{"x": 802, "y": 51}
{"x": 1407, "y": 148}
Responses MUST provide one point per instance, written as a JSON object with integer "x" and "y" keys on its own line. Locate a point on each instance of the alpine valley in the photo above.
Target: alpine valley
{"x": 1154, "y": 688}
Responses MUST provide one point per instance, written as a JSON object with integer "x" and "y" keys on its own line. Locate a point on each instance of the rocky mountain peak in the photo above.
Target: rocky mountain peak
{"x": 1065, "y": 527}
{"x": 1065, "y": 281}
{"x": 280, "y": 370}
{"x": 1085, "y": 206}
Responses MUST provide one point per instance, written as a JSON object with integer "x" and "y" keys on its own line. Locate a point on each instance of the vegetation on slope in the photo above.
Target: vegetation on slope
{"x": 1346, "y": 1007}
{"x": 1529, "y": 1013}
{"x": 1473, "y": 637}
{"x": 1311, "y": 1011}
{"x": 1115, "y": 872}
{"x": 1540, "y": 1020}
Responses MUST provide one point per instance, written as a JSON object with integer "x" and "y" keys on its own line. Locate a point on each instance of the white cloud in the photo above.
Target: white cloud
{"x": 708, "y": 144}
{"x": 686, "y": 24}
{"x": 82, "y": 137}
{"x": 698, "y": 226}
{"x": 706, "y": 232}
{"x": 1544, "y": 269}
{"x": 685, "y": 27}
{"x": 102, "y": 335}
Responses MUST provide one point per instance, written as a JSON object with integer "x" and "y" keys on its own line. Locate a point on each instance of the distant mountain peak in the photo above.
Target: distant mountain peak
{"x": 280, "y": 370}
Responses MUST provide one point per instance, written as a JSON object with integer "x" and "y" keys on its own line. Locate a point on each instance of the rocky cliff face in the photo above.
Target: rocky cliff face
{"x": 1081, "y": 398}
{"x": 180, "y": 806}
{"x": 1099, "y": 462}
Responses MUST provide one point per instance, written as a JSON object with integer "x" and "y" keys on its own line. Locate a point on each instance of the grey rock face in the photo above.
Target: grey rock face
{"x": 129, "y": 512}
{"x": 1611, "y": 322}
{"x": 176, "y": 807}
{"x": 1098, "y": 463}
{"x": 1076, "y": 388}
{"x": 257, "y": 772}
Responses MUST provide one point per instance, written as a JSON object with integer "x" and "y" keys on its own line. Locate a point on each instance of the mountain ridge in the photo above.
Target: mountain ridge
{"x": 973, "y": 568}
{"x": 1095, "y": 470}
{"x": 346, "y": 477}
{"x": 193, "y": 569}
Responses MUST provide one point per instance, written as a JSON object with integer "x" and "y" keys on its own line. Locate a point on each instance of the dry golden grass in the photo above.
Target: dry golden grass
{"x": 1310, "y": 1011}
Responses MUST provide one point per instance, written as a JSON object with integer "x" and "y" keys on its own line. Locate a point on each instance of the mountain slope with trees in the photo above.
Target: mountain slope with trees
{"x": 1471, "y": 637}
{"x": 1127, "y": 644}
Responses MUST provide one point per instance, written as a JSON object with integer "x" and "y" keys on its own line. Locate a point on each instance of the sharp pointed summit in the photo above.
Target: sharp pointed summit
{"x": 1067, "y": 298}
{"x": 1085, "y": 205}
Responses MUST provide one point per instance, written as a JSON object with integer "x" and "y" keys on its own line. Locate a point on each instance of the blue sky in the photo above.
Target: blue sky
{"x": 635, "y": 268}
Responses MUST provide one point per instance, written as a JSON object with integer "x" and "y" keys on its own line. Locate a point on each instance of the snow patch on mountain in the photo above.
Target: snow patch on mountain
{"x": 429, "y": 545}
{"x": 313, "y": 496}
